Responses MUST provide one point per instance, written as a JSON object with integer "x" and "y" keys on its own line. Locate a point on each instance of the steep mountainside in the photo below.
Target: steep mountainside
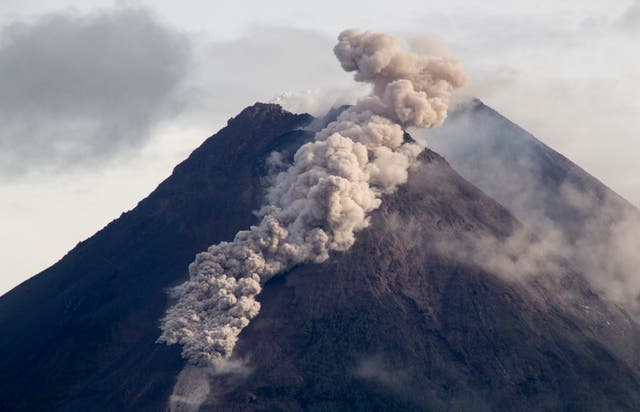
{"x": 394, "y": 324}
{"x": 535, "y": 182}
{"x": 574, "y": 212}
{"x": 397, "y": 322}
{"x": 81, "y": 335}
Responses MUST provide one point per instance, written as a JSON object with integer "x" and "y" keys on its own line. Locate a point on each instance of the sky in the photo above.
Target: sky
{"x": 99, "y": 100}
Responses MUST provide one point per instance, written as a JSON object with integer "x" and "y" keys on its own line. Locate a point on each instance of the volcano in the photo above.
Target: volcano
{"x": 397, "y": 322}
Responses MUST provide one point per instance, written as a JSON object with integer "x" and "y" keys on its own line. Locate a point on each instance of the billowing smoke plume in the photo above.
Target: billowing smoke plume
{"x": 319, "y": 202}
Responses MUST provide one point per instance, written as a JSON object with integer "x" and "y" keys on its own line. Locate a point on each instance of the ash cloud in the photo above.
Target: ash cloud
{"x": 77, "y": 89}
{"x": 427, "y": 44}
{"x": 318, "y": 204}
{"x": 191, "y": 390}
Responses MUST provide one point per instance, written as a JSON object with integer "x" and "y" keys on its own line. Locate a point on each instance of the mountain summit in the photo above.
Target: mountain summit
{"x": 415, "y": 316}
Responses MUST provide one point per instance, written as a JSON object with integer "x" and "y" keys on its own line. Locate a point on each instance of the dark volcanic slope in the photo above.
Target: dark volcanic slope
{"x": 392, "y": 324}
{"x": 80, "y": 335}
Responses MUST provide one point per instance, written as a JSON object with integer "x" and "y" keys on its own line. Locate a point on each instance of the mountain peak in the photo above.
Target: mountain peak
{"x": 260, "y": 112}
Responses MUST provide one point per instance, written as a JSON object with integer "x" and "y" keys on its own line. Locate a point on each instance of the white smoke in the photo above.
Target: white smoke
{"x": 318, "y": 102}
{"x": 319, "y": 202}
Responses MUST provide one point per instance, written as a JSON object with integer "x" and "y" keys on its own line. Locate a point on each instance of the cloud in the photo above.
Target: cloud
{"x": 630, "y": 19}
{"x": 262, "y": 64}
{"x": 82, "y": 89}
{"x": 78, "y": 89}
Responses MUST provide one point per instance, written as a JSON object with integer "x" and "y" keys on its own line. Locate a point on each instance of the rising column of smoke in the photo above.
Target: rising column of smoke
{"x": 319, "y": 202}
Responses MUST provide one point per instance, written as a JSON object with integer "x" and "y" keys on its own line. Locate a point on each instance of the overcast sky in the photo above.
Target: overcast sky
{"x": 100, "y": 99}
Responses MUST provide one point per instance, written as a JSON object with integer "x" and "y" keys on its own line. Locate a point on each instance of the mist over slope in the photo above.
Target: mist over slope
{"x": 397, "y": 322}
{"x": 574, "y": 212}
